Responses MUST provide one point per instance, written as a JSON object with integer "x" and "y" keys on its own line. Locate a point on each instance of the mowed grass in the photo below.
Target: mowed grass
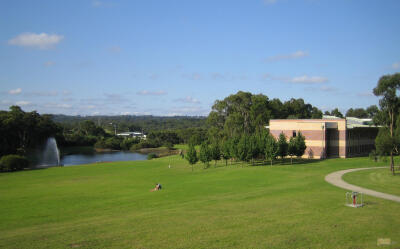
{"x": 377, "y": 179}
{"x": 109, "y": 205}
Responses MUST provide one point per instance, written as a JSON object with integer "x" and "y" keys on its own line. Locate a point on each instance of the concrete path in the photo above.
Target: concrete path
{"x": 335, "y": 178}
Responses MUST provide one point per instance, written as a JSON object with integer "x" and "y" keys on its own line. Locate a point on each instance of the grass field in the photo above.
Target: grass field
{"x": 109, "y": 206}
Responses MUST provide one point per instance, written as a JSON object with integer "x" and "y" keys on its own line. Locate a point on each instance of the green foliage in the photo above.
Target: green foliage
{"x": 127, "y": 143}
{"x": 282, "y": 146}
{"x": 292, "y": 148}
{"x": 112, "y": 143}
{"x": 384, "y": 143}
{"x": 205, "y": 154}
{"x": 387, "y": 88}
{"x": 151, "y": 156}
{"x": 242, "y": 148}
{"x": 335, "y": 112}
{"x": 21, "y": 130}
{"x": 191, "y": 155}
{"x": 246, "y": 113}
{"x": 215, "y": 152}
{"x": 300, "y": 144}
{"x": 271, "y": 148}
{"x": 226, "y": 151}
{"x": 13, "y": 163}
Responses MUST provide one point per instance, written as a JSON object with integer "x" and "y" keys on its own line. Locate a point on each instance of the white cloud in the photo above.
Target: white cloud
{"x": 295, "y": 55}
{"x": 270, "y": 1}
{"x": 193, "y": 76}
{"x": 49, "y": 63}
{"x": 15, "y": 91}
{"x": 145, "y": 92}
{"x": 188, "y": 99}
{"x": 40, "y": 41}
{"x": 43, "y": 94}
{"x": 97, "y": 3}
{"x": 57, "y": 105}
{"x": 365, "y": 94}
{"x": 115, "y": 49}
{"x": 396, "y": 65}
{"x": 308, "y": 80}
{"x": 23, "y": 103}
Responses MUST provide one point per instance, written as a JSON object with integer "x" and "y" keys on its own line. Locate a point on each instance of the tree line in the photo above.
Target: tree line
{"x": 260, "y": 146}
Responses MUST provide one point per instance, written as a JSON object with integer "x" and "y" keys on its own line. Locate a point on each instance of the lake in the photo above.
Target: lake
{"x": 89, "y": 156}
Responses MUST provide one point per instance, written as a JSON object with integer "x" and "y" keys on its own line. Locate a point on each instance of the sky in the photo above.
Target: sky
{"x": 166, "y": 57}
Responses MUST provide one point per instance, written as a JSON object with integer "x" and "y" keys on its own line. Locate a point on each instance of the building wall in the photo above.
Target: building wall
{"x": 361, "y": 141}
{"x": 315, "y": 132}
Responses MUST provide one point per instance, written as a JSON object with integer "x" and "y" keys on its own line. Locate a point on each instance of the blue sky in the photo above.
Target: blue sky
{"x": 177, "y": 57}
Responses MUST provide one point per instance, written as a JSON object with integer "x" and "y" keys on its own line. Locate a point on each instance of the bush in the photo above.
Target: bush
{"x": 13, "y": 163}
{"x": 151, "y": 156}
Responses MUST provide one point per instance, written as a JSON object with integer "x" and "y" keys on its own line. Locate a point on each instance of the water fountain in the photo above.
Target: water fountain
{"x": 51, "y": 154}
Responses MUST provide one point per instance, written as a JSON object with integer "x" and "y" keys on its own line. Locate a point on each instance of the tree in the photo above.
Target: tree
{"x": 335, "y": 112}
{"x": 372, "y": 111}
{"x": 300, "y": 144}
{"x": 292, "y": 148}
{"x": 384, "y": 142}
{"x": 191, "y": 155}
{"x": 225, "y": 151}
{"x": 242, "y": 148}
{"x": 282, "y": 146}
{"x": 271, "y": 148}
{"x": 357, "y": 113}
{"x": 205, "y": 154}
{"x": 215, "y": 152}
{"x": 387, "y": 88}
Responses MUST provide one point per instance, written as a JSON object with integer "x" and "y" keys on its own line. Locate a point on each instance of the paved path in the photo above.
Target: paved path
{"x": 335, "y": 178}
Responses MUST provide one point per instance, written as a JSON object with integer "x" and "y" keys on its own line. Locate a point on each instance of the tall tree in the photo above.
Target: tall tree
{"x": 282, "y": 146}
{"x": 300, "y": 144}
{"x": 225, "y": 151}
{"x": 191, "y": 155}
{"x": 292, "y": 148}
{"x": 205, "y": 154}
{"x": 271, "y": 148}
{"x": 242, "y": 148}
{"x": 387, "y": 88}
{"x": 215, "y": 152}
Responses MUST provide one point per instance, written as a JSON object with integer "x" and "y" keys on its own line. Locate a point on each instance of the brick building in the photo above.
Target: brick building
{"x": 330, "y": 136}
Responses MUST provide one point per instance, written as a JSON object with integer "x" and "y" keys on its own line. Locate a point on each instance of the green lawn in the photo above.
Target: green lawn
{"x": 109, "y": 206}
{"x": 377, "y": 179}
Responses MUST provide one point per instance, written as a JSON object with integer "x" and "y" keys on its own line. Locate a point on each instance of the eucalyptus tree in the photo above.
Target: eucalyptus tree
{"x": 387, "y": 88}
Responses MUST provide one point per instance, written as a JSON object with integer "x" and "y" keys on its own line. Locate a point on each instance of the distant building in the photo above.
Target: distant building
{"x": 132, "y": 134}
{"x": 330, "y": 136}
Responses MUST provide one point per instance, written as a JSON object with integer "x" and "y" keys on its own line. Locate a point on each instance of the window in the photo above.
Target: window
{"x": 294, "y": 134}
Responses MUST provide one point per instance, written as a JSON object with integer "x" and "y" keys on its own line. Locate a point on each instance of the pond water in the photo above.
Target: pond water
{"x": 95, "y": 157}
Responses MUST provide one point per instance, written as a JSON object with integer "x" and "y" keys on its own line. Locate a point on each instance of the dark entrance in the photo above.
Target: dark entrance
{"x": 332, "y": 143}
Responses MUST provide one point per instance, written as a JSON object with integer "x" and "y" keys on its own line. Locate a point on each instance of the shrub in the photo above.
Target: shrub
{"x": 13, "y": 163}
{"x": 151, "y": 156}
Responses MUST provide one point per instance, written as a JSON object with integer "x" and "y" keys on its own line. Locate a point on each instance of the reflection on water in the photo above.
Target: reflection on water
{"x": 87, "y": 156}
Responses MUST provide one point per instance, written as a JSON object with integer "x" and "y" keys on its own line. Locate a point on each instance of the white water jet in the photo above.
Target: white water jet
{"x": 51, "y": 154}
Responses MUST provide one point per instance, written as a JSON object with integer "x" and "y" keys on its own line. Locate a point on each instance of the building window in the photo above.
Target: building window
{"x": 294, "y": 134}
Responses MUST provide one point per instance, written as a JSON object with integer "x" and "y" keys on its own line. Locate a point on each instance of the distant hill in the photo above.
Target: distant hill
{"x": 135, "y": 123}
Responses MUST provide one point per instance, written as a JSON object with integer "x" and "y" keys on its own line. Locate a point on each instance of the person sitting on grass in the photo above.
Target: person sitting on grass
{"x": 158, "y": 187}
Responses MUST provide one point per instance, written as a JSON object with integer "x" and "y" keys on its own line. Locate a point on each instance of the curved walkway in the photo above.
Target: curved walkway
{"x": 335, "y": 178}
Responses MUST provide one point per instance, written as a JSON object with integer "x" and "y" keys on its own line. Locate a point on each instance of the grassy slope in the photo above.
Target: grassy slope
{"x": 110, "y": 206}
{"x": 377, "y": 179}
